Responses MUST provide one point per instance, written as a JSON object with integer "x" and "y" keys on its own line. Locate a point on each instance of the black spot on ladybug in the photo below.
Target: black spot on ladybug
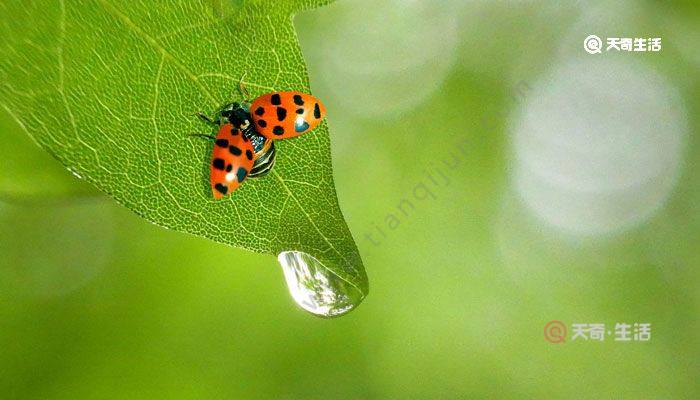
{"x": 235, "y": 150}
{"x": 241, "y": 174}
{"x": 298, "y": 100}
{"x": 278, "y": 130}
{"x": 249, "y": 154}
{"x": 262, "y": 123}
{"x": 281, "y": 113}
{"x": 223, "y": 189}
{"x": 317, "y": 111}
{"x": 260, "y": 111}
{"x": 222, "y": 142}
{"x": 229, "y": 167}
{"x": 219, "y": 163}
{"x": 275, "y": 99}
{"x": 234, "y": 132}
{"x": 300, "y": 111}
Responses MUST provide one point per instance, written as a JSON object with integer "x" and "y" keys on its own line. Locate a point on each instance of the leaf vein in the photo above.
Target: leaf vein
{"x": 157, "y": 46}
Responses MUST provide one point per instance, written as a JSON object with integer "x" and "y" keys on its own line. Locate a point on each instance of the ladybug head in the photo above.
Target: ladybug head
{"x": 236, "y": 114}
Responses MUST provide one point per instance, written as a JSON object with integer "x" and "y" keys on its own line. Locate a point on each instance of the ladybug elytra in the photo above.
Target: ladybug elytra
{"x": 244, "y": 145}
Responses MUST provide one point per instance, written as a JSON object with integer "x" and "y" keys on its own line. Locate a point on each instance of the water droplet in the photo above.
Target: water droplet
{"x": 316, "y": 288}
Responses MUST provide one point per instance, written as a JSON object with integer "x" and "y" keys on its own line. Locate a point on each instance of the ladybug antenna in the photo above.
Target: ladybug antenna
{"x": 243, "y": 89}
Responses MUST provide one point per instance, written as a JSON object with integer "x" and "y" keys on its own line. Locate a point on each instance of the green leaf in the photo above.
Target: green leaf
{"x": 110, "y": 88}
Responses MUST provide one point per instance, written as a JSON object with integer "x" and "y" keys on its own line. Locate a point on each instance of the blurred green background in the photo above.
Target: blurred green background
{"x": 495, "y": 177}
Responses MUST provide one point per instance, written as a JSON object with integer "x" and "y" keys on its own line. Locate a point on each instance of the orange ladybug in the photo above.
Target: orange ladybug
{"x": 244, "y": 147}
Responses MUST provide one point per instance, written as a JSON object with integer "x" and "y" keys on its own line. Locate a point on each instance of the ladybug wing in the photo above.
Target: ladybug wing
{"x": 231, "y": 160}
{"x": 283, "y": 115}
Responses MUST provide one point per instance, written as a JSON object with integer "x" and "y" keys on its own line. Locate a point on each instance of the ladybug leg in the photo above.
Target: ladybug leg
{"x": 205, "y": 136}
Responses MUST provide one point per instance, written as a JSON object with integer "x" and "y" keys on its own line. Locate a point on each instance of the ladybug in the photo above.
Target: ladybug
{"x": 244, "y": 145}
